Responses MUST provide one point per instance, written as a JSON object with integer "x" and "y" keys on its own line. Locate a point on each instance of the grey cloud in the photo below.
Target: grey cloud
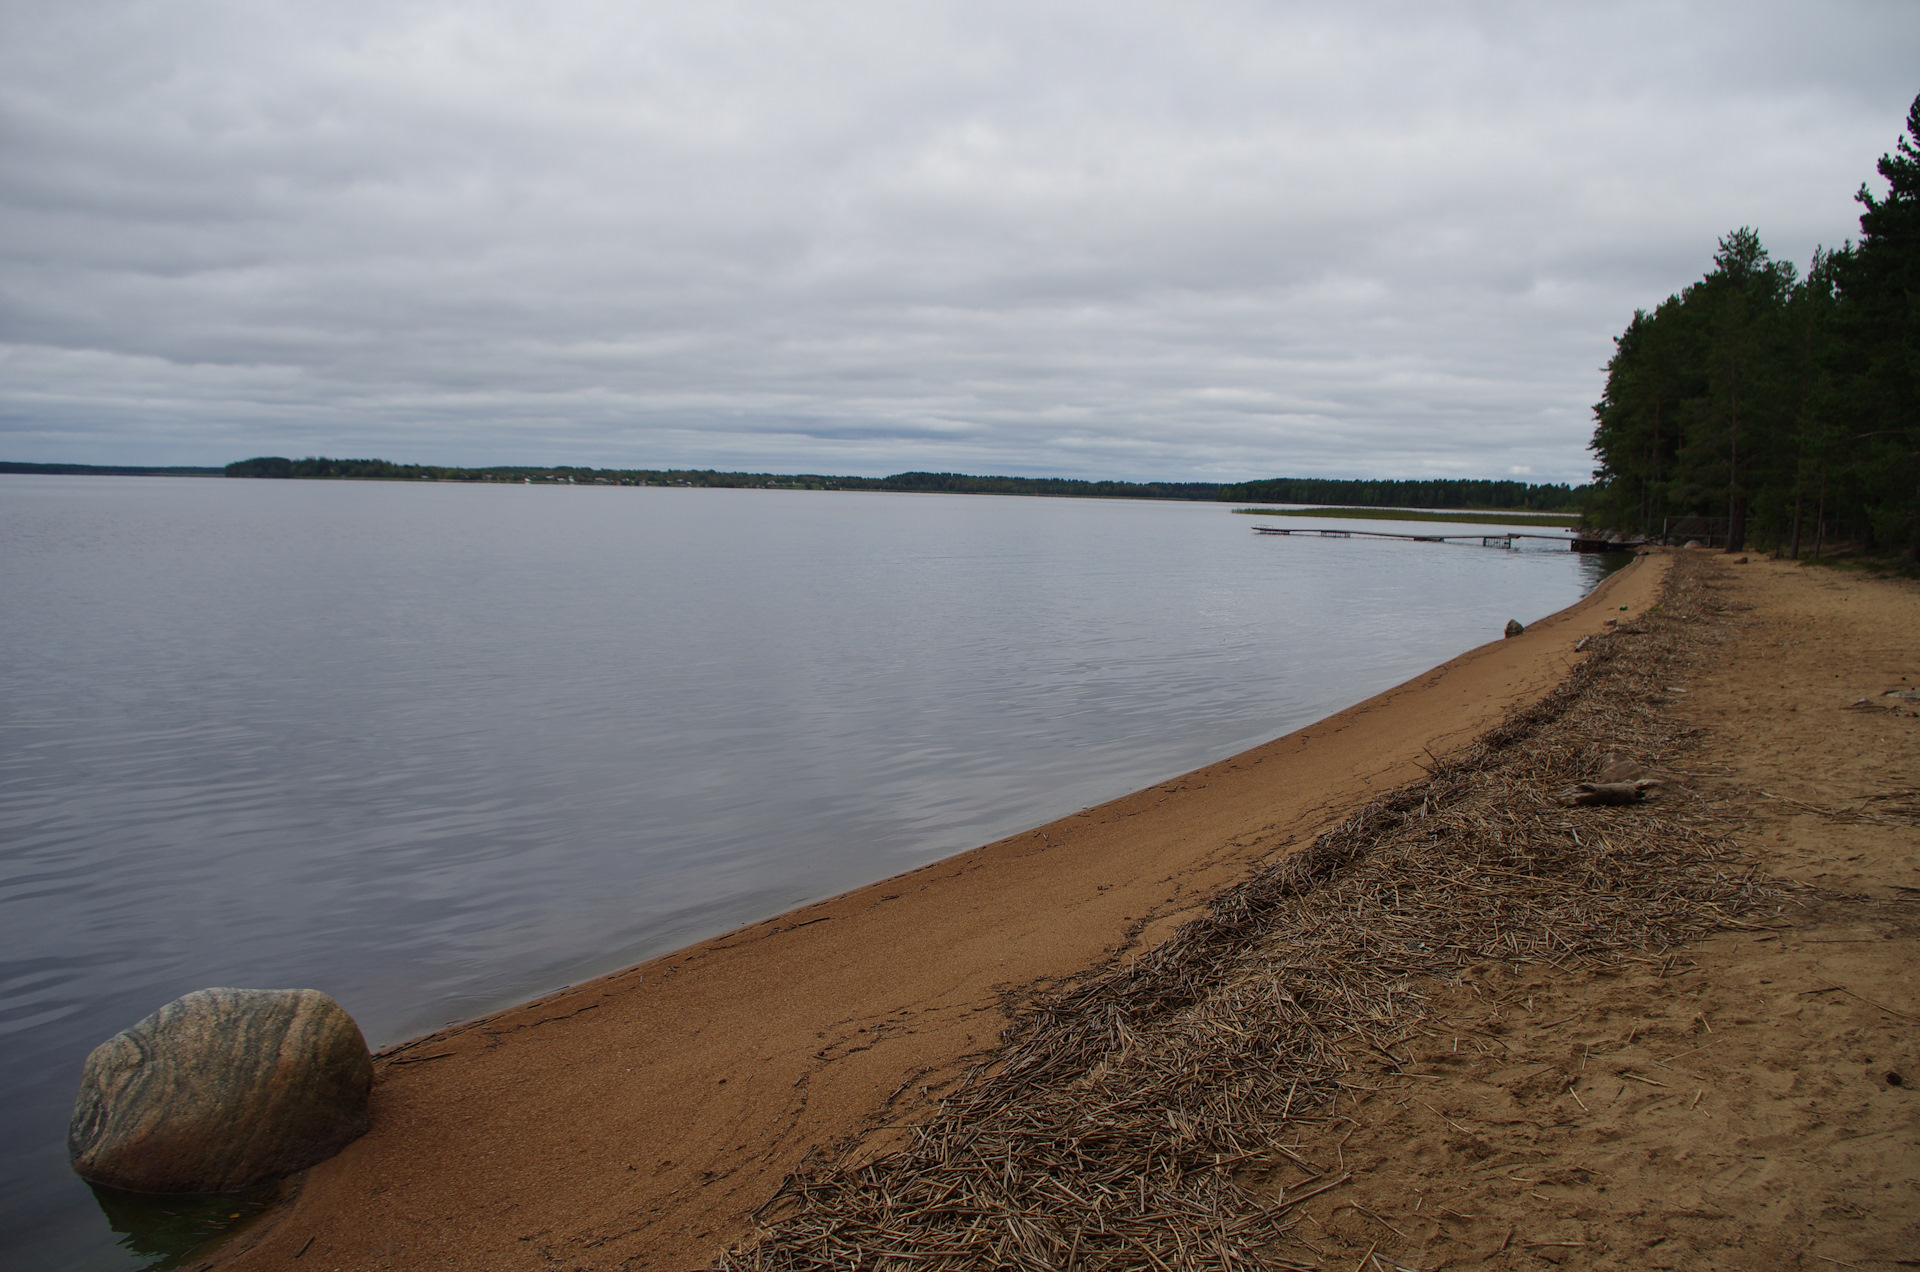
{"x": 1103, "y": 240}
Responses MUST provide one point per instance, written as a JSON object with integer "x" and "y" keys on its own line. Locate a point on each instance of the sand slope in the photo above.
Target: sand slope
{"x": 636, "y": 1121}
{"x": 1747, "y": 1102}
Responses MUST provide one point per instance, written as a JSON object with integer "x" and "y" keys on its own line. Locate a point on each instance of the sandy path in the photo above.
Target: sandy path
{"x": 635, "y": 1121}
{"x": 1730, "y": 1106}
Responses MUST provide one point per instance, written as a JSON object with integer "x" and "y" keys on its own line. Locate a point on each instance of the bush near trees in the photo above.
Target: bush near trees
{"x": 1779, "y": 408}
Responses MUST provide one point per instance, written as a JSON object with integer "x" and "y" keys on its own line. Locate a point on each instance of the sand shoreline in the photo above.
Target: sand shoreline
{"x": 637, "y": 1119}
{"x": 1598, "y": 1095}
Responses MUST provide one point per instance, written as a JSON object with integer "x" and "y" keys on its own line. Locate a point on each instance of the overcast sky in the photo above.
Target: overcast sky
{"x": 1201, "y": 241}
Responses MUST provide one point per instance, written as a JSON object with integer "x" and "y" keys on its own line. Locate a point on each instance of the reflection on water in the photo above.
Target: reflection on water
{"x": 163, "y": 1232}
{"x": 436, "y": 748}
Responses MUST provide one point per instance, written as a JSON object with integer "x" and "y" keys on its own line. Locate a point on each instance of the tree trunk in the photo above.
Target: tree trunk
{"x": 1736, "y": 507}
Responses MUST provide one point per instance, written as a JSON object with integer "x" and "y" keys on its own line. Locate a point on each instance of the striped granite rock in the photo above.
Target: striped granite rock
{"x": 221, "y": 1090}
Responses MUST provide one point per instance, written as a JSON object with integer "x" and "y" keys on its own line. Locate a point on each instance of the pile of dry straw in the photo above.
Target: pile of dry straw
{"x": 1112, "y": 1127}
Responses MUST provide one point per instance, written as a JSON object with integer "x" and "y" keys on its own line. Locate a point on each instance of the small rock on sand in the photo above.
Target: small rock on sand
{"x": 1514, "y": 628}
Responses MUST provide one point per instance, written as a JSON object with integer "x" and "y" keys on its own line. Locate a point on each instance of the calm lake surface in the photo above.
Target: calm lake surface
{"x": 436, "y": 748}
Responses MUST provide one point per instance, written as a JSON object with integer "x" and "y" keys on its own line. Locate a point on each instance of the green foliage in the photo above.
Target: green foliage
{"x": 1761, "y": 406}
{"x": 353, "y": 469}
{"x": 1489, "y": 495}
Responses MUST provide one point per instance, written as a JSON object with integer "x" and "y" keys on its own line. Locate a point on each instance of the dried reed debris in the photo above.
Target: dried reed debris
{"x": 1110, "y": 1129}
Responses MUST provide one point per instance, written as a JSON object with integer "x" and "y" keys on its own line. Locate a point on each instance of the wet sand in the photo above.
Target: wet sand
{"x": 637, "y": 1120}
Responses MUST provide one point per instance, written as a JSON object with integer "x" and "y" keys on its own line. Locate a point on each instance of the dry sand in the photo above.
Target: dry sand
{"x": 636, "y": 1121}
{"x": 1746, "y": 1102}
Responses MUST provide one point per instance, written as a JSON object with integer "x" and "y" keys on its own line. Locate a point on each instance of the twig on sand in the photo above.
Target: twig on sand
{"x": 1842, "y": 989}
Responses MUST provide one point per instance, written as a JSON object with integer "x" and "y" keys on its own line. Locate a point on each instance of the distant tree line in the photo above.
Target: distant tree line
{"x": 958, "y": 483}
{"x": 319, "y": 466}
{"x": 1493, "y": 496}
{"x": 1774, "y": 408}
{"x": 108, "y": 470}
{"x": 955, "y": 483}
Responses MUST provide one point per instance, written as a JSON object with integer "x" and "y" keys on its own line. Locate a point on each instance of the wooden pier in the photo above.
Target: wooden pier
{"x": 1504, "y": 540}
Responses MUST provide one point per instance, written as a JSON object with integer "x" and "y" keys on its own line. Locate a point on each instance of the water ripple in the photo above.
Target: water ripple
{"x": 434, "y": 749}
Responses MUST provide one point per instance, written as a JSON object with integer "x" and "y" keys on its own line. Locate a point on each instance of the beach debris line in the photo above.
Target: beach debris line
{"x": 220, "y": 1091}
{"x": 1141, "y": 1116}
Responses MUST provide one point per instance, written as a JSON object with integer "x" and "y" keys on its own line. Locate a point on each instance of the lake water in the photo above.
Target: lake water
{"x": 436, "y": 748}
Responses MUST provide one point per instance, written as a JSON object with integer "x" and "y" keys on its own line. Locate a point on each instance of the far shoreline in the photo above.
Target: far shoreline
{"x": 1469, "y": 495}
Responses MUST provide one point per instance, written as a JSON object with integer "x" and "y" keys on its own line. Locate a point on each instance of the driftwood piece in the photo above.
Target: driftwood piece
{"x": 1619, "y": 768}
{"x": 1609, "y": 792}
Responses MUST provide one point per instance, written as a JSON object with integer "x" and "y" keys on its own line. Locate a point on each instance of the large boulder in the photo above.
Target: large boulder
{"x": 221, "y": 1090}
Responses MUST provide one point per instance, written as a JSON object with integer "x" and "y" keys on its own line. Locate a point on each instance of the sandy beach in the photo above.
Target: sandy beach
{"x": 1742, "y": 1100}
{"x": 639, "y": 1119}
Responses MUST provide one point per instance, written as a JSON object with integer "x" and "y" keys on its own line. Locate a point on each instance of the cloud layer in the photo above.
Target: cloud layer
{"x": 1207, "y": 241}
